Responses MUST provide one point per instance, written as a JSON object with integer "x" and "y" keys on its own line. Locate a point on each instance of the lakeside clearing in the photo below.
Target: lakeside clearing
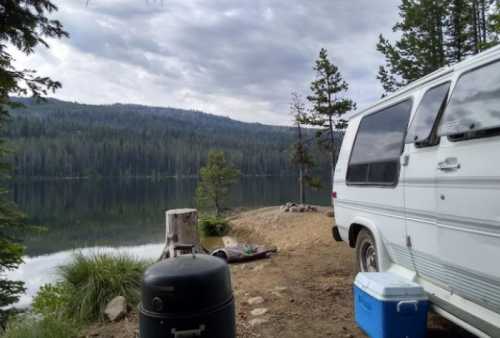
{"x": 306, "y": 287}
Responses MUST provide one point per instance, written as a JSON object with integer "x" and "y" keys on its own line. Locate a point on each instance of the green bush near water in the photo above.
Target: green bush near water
{"x": 51, "y": 300}
{"x": 93, "y": 281}
{"x": 28, "y": 326}
{"x": 86, "y": 285}
{"x": 213, "y": 226}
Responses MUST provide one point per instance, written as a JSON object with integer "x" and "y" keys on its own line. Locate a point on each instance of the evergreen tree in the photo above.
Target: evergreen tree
{"x": 420, "y": 50}
{"x": 216, "y": 177}
{"x": 300, "y": 155}
{"x": 23, "y": 25}
{"x": 461, "y": 40}
{"x": 435, "y": 33}
{"x": 329, "y": 104}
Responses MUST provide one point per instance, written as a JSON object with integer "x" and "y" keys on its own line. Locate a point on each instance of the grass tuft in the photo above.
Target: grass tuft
{"x": 28, "y": 326}
{"x": 93, "y": 281}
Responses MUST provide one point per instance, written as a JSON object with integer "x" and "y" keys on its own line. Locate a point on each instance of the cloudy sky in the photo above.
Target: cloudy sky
{"x": 240, "y": 59}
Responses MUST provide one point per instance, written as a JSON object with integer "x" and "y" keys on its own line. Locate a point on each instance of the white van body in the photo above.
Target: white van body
{"x": 419, "y": 174}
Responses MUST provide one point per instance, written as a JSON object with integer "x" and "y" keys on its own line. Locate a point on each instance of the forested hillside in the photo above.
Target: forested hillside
{"x": 64, "y": 139}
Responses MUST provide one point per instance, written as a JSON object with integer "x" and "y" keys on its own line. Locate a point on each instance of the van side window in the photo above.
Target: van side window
{"x": 378, "y": 146}
{"x": 422, "y": 126}
{"x": 474, "y": 108}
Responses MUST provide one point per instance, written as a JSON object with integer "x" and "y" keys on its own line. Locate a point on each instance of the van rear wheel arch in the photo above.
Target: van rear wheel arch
{"x": 354, "y": 231}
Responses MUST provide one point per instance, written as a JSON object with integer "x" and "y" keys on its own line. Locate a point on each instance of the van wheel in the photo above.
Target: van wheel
{"x": 366, "y": 252}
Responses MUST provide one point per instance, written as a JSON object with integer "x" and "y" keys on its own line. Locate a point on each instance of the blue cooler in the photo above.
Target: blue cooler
{"x": 388, "y": 306}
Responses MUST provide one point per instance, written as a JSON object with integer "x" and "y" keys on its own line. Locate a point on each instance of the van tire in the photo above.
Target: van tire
{"x": 366, "y": 253}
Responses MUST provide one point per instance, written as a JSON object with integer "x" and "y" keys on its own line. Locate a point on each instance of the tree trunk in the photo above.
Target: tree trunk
{"x": 302, "y": 197}
{"x": 476, "y": 27}
{"x": 439, "y": 26}
{"x": 218, "y": 208}
{"x": 302, "y": 193}
{"x": 483, "y": 20}
{"x": 181, "y": 232}
{"x": 332, "y": 141}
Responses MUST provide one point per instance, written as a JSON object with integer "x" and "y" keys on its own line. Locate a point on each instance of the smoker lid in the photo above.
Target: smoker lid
{"x": 186, "y": 284}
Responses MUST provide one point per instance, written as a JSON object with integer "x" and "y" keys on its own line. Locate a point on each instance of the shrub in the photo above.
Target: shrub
{"x": 51, "y": 300}
{"x": 28, "y": 326}
{"x": 93, "y": 281}
{"x": 213, "y": 226}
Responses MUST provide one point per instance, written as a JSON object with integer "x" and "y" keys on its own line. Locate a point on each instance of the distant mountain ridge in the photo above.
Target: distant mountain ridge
{"x": 65, "y": 139}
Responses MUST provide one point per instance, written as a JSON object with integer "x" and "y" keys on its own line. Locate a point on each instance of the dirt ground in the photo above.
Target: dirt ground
{"x": 306, "y": 287}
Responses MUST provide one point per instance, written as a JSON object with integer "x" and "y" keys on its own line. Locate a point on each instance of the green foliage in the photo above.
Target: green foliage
{"x": 313, "y": 182}
{"x": 51, "y": 300}
{"x": 213, "y": 226}
{"x": 216, "y": 177}
{"x": 434, "y": 34}
{"x": 330, "y": 103}
{"x": 93, "y": 281}
{"x": 27, "y": 326}
{"x": 24, "y": 26}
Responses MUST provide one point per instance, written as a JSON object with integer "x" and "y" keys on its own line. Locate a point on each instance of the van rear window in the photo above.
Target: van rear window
{"x": 475, "y": 103}
{"x": 378, "y": 146}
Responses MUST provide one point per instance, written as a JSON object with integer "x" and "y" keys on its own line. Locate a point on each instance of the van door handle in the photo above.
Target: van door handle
{"x": 449, "y": 164}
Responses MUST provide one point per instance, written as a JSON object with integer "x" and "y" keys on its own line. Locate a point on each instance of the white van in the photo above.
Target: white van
{"x": 417, "y": 189}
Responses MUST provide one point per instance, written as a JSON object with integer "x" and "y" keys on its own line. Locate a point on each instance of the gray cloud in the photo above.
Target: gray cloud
{"x": 235, "y": 58}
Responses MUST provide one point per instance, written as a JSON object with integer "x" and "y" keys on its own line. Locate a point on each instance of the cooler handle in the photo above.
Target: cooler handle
{"x": 404, "y": 305}
{"x": 188, "y": 333}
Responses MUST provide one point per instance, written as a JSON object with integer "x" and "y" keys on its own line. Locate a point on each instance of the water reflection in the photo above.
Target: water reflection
{"x": 88, "y": 213}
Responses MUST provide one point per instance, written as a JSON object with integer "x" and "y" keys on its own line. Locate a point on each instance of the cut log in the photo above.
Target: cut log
{"x": 181, "y": 233}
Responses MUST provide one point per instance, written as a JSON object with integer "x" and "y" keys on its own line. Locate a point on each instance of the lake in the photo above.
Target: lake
{"x": 119, "y": 215}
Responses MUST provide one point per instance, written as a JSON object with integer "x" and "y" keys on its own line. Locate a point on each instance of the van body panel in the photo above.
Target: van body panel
{"x": 468, "y": 216}
{"x": 440, "y": 224}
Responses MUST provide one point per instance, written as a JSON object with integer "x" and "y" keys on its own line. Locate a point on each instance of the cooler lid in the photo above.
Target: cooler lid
{"x": 386, "y": 285}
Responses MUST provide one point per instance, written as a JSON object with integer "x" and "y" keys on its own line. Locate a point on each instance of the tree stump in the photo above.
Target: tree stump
{"x": 181, "y": 233}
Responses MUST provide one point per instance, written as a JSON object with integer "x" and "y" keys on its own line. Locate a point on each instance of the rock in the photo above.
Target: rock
{"x": 294, "y": 209}
{"x": 302, "y": 208}
{"x": 330, "y": 213}
{"x": 280, "y": 288}
{"x": 116, "y": 309}
{"x": 259, "y": 311}
{"x": 229, "y": 241}
{"x": 276, "y": 294}
{"x": 257, "y": 321}
{"x": 255, "y": 300}
{"x": 258, "y": 267}
{"x": 92, "y": 333}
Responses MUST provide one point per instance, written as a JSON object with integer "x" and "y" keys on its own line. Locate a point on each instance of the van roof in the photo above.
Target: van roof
{"x": 430, "y": 77}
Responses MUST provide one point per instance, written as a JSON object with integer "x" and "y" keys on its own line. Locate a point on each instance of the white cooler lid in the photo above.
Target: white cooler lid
{"x": 386, "y": 285}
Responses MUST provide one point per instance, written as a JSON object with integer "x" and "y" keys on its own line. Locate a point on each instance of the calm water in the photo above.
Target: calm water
{"x": 119, "y": 216}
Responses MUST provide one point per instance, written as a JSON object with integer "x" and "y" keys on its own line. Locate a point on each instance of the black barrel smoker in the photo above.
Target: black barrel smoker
{"x": 187, "y": 296}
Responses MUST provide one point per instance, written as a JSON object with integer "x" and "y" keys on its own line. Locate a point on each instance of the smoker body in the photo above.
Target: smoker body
{"x": 187, "y": 296}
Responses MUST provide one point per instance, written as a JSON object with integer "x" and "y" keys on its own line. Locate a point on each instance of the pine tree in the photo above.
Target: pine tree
{"x": 435, "y": 33}
{"x": 329, "y": 103}
{"x": 420, "y": 50}
{"x": 23, "y": 25}
{"x": 300, "y": 155}
{"x": 461, "y": 40}
{"x": 216, "y": 177}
